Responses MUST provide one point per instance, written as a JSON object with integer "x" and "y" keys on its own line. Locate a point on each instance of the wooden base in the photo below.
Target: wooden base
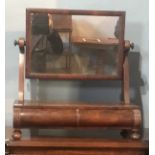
{"x": 16, "y": 135}
{"x": 76, "y": 146}
{"x": 76, "y": 114}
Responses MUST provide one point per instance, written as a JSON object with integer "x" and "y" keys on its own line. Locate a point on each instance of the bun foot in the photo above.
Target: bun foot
{"x": 17, "y": 134}
{"x": 135, "y": 135}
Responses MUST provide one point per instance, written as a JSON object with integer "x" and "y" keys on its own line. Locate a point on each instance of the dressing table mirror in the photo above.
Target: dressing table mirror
{"x": 75, "y": 45}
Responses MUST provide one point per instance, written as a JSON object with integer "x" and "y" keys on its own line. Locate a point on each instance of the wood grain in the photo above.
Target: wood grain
{"x": 77, "y": 146}
{"x": 84, "y": 116}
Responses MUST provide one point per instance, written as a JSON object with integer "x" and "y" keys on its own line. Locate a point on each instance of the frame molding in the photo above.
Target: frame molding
{"x": 50, "y": 76}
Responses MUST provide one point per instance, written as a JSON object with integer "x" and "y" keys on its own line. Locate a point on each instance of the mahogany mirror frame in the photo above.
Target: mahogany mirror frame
{"x": 50, "y": 76}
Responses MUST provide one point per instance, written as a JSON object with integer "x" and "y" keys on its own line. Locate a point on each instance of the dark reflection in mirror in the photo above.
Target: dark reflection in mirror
{"x": 74, "y": 44}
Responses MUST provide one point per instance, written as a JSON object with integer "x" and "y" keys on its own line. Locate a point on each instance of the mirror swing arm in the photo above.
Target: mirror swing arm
{"x": 21, "y": 78}
{"x": 135, "y": 133}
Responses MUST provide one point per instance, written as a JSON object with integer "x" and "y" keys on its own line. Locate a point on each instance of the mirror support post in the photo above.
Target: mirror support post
{"x": 21, "y": 43}
{"x": 126, "y": 87}
{"x": 126, "y": 79}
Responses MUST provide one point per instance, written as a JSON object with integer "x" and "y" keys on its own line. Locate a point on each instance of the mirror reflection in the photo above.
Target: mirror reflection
{"x": 74, "y": 44}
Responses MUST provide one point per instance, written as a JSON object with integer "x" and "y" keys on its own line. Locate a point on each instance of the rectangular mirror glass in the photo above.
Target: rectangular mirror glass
{"x": 74, "y": 44}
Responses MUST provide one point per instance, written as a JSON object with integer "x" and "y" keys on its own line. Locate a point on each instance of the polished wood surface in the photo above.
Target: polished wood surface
{"x": 79, "y": 143}
{"x": 76, "y": 115}
{"x": 21, "y": 44}
{"x": 77, "y": 146}
{"x": 31, "y": 145}
{"x": 126, "y": 87}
